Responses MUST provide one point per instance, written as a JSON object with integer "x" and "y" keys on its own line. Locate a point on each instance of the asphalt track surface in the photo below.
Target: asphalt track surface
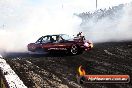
{"x": 59, "y": 70}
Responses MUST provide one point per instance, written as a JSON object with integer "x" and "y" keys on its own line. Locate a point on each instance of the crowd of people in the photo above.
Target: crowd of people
{"x": 111, "y": 12}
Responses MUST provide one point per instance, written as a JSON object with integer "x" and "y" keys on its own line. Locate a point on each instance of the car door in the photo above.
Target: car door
{"x": 38, "y": 43}
{"x": 59, "y": 44}
{"x": 47, "y": 43}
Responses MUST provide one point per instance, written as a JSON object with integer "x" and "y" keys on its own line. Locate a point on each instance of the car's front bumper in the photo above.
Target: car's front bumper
{"x": 87, "y": 48}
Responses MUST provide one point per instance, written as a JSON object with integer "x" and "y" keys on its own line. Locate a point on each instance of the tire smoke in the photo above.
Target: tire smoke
{"x": 110, "y": 29}
{"x": 22, "y": 22}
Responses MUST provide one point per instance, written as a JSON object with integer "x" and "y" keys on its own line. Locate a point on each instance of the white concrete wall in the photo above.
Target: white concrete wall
{"x": 11, "y": 77}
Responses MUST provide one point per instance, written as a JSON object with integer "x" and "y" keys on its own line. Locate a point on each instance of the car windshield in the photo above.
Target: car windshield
{"x": 66, "y": 37}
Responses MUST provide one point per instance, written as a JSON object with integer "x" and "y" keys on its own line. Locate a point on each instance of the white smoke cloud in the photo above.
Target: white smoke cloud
{"x": 22, "y": 23}
{"x": 107, "y": 29}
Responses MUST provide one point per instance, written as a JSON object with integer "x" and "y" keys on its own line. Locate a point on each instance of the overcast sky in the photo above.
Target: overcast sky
{"x": 78, "y": 5}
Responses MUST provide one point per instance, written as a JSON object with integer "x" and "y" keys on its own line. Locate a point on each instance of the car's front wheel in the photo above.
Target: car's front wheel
{"x": 74, "y": 49}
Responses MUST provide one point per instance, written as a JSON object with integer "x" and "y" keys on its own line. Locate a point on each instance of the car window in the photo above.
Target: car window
{"x": 46, "y": 39}
{"x": 54, "y": 37}
{"x": 66, "y": 37}
{"x": 58, "y": 38}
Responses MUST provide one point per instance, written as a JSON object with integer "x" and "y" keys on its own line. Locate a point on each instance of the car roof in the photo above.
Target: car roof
{"x": 55, "y": 35}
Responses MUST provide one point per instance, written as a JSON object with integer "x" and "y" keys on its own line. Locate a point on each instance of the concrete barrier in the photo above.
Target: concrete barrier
{"x": 8, "y": 78}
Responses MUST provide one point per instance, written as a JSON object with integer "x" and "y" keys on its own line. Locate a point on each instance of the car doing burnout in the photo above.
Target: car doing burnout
{"x": 61, "y": 42}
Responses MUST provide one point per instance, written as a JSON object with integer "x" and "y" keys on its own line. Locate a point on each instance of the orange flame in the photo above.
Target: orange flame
{"x": 81, "y": 71}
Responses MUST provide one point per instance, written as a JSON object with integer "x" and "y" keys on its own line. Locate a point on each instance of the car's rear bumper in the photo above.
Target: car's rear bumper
{"x": 31, "y": 49}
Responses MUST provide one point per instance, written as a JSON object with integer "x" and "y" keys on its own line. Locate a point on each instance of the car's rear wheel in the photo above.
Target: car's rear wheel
{"x": 74, "y": 49}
